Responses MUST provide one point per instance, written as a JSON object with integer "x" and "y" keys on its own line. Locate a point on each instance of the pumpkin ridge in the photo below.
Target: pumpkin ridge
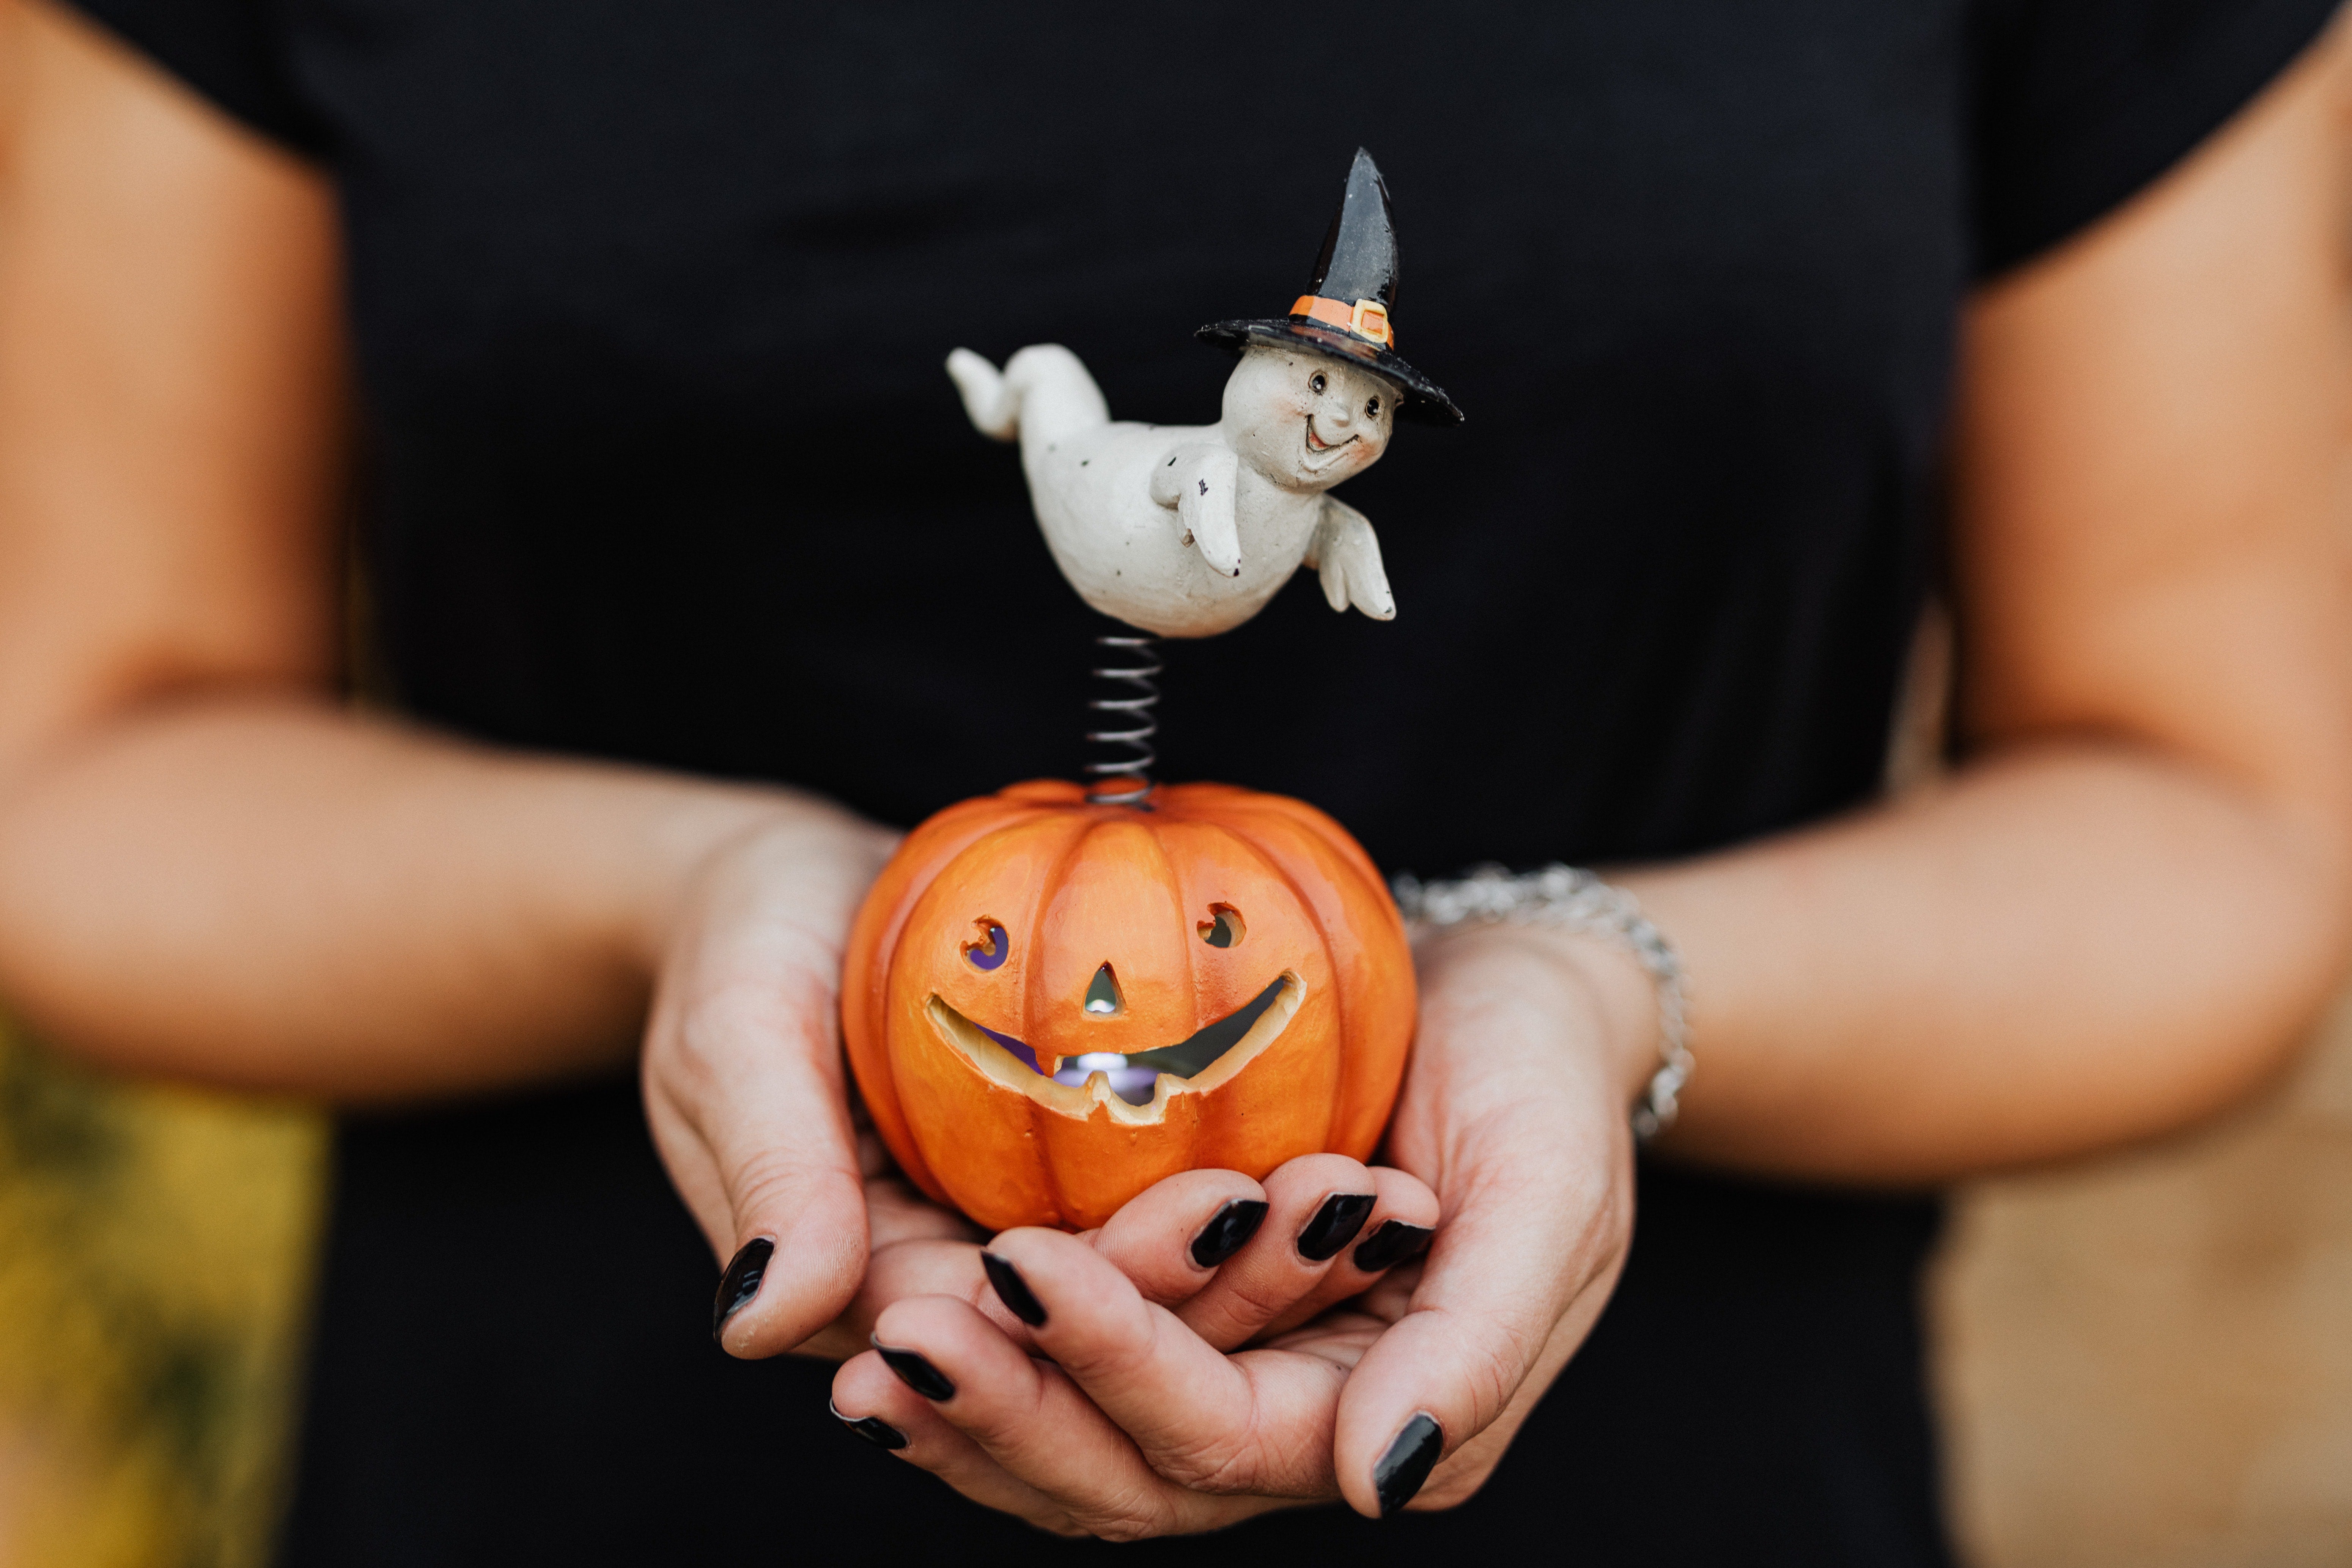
{"x": 1086, "y": 825}
{"x": 1020, "y": 817}
{"x": 1324, "y": 827}
{"x": 1322, "y": 934}
{"x": 1192, "y": 965}
{"x": 868, "y": 1005}
{"x": 1025, "y": 922}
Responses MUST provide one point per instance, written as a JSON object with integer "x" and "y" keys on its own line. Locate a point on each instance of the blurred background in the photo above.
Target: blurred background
{"x": 155, "y": 1249}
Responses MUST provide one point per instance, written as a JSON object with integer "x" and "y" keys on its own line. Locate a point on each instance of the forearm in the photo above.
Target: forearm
{"x": 2068, "y": 947}
{"x": 277, "y": 893}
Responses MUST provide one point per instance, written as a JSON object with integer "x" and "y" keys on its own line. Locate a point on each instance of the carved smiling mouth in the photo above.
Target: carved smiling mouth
{"x": 1141, "y": 1080}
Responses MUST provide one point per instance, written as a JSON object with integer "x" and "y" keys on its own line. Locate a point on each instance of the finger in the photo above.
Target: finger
{"x": 1402, "y": 1221}
{"x": 865, "y": 1392}
{"x": 917, "y": 1267}
{"x": 1259, "y": 1423}
{"x": 918, "y": 1249}
{"x": 1170, "y": 1239}
{"x": 743, "y": 1091}
{"x": 1316, "y": 1205}
{"x": 1033, "y": 1420}
{"x": 1531, "y": 1247}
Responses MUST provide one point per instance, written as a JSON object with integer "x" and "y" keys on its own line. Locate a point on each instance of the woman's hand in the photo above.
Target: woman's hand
{"x": 745, "y": 1089}
{"x": 1532, "y": 1045}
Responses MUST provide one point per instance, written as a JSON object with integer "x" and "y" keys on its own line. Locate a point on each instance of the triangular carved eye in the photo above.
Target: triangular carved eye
{"x": 1103, "y": 999}
{"x": 1224, "y": 929}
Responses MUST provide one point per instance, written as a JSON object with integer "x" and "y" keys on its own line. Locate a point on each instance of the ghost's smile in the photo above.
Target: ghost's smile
{"x": 1317, "y": 444}
{"x": 1136, "y": 1084}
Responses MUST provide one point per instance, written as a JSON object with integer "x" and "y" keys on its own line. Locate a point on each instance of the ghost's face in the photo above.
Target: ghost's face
{"x": 1307, "y": 420}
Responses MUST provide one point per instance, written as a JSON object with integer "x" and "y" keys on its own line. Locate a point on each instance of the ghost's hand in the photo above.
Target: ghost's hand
{"x": 1199, "y": 482}
{"x": 1346, "y": 551}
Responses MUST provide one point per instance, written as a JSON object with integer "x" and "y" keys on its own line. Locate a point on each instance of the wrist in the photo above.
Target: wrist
{"x": 1595, "y": 985}
{"x": 1577, "y": 907}
{"x": 1624, "y": 1000}
{"x": 692, "y": 841}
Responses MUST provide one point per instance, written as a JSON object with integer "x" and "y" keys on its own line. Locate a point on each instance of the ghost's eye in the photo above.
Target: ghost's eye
{"x": 989, "y": 952}
{"x": 1316, "y": 383}
{"x": 1223, "y": 928}
{"x": 1373, "y": 409}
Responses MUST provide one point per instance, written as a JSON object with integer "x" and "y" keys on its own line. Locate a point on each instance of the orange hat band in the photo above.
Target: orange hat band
{"x": 1367, "y": 318}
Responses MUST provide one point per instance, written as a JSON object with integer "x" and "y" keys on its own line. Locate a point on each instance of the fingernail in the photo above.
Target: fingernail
{"x": 1391, "y": 1244}
{"x": 1334, "y": 1226}
{"x": 1408, "y": 1462}
{"x": 1228, "y": 1231}
{"x": 1014, "y": 1290}
{"x": 872, "y": 1428}
{"x": 740, "y": 1283}
{"x": 917, "y": 1374}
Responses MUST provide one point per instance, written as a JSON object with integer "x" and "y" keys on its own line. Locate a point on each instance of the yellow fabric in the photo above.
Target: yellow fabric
{"x": 155, "y": 1259}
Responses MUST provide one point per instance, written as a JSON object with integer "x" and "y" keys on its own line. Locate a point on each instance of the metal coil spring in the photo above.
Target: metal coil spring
{"x": 1125, "y": 781}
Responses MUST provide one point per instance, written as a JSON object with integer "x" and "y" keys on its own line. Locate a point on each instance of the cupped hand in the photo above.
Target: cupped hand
{"x": 1123, "y": 1431}
{"x": 1532, "y": 1045}
{"x": 747, "y": 1096}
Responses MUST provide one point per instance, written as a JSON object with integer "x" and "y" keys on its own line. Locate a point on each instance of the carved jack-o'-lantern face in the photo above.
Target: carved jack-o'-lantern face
{"x": 1049, "y": 1006}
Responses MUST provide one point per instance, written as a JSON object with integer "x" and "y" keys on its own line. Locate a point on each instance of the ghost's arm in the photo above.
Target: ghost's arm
{"x": 1344, "y": 549}
{"x": 1199, "y": 483}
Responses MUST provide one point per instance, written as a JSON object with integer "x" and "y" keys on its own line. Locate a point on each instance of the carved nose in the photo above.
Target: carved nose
{"x": 1103, "y": 1000}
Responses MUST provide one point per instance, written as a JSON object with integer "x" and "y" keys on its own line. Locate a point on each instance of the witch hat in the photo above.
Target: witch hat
{"x": 1347, "y": 311}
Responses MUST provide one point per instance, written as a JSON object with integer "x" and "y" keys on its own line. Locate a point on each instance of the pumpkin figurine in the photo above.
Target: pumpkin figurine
{"x": 1055, "y": 996}
{"x": 1053, "y": 1004}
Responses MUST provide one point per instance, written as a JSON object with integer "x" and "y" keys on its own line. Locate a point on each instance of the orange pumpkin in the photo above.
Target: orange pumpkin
{"x": 1051, "y": 1004}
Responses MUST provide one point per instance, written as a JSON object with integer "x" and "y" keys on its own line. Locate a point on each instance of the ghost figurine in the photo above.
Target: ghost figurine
{"x": 1187, "y": 530}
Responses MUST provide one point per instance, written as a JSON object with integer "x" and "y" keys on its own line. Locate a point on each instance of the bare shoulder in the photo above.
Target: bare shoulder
{"x": 2148, "y": 541}
{"x": 172, "y": 389}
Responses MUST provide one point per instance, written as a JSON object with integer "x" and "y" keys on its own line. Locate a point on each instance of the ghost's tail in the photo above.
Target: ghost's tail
{"x": 1043, "y": 394}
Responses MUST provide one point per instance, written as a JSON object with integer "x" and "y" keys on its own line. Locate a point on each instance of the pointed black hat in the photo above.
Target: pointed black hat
{"x": 1347, "y": 311}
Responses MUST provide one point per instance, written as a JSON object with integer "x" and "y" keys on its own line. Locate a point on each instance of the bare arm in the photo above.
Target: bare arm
{"x": 2130, "y": 899}
{"x": 208, "y": 867}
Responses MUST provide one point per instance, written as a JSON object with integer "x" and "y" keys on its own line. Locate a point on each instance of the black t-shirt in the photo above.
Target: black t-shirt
{"x": 650, "y": 304}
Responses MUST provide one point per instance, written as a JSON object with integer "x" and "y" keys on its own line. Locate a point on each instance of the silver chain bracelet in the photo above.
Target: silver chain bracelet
{"x": 1574, "y": 900}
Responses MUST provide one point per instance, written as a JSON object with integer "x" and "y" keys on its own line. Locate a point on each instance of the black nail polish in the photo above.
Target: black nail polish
{"x": 917, "y": 1374}
{"x": 1334, "y": 1226}
{"x": 872, "y": 1428}
{"x": 1395, "y": 1242}
{"x": 1228, "y": 1231}
{"x": 740, "y": 1283}
{"x": 1014, "y": 1290}
{"x": 1408, "y": 1462}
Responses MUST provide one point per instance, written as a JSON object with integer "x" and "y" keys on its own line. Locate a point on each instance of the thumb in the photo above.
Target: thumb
{"x": 1498, "y": 1307}
{"x": 744, "y": 1091}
